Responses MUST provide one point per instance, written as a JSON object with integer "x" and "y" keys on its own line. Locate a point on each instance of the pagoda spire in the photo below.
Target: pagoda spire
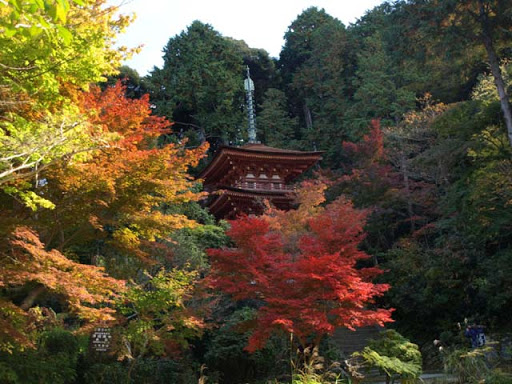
{"x": 249, "y": 92}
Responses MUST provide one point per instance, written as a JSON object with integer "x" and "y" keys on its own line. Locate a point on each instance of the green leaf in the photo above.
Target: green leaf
{"x": 15, "y": 16}
{"x": 34, "y": 31}
{"x": 66, "y": 35}
{"x": 43, "y": 22}
{"x": 39, "y": 3}
{"x": 9, "y": 31}
{"x": 33, "y": 8}
{"x": 16, "y": 4}
{"x": 52, "y": 11}
{"x": 30, "y": 198}
{"x": 79, "y": 2}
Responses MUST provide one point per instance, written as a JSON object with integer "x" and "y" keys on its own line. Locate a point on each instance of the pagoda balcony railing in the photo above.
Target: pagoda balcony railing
{"x": 264, "y": 186}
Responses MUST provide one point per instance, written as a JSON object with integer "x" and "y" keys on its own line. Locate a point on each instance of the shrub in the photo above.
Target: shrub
{"x": 393, "y": 354}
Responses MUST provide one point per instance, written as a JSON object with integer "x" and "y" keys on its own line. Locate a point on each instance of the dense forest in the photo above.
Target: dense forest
{"x": 405, "y": 223}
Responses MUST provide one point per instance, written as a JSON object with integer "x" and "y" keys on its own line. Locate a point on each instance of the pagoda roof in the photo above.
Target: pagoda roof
{"x": 227, "y": 156}
{"x": 232, "y": 201}
{"x": 256, "y": 147}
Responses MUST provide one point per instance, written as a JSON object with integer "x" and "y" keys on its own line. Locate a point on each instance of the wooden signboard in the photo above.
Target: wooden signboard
{"x": 101, "y": 339}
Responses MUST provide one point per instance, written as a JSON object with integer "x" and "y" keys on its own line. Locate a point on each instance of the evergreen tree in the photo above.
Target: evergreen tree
{"x": 200, "y": 84}
{"x": 130, "y": 79}
{"x": 299, "y": 47}
{"x": 321, "y": 82}
{"x": 380, "y": 91}
{"x": 275, "y": 127}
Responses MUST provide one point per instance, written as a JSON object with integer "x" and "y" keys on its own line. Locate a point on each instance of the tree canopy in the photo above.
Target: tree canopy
{"x": 405, "y": 222}
{"x": 199, "y": 86}
{"x": 49, "y": 51}
{"x": 303, "y": 274}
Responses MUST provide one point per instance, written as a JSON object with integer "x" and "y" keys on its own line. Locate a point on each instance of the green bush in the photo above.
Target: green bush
{"x": 394, "y": 355}
{"x": 227, "y": 360}
{"x": 52, "y": 362}
{"x": 143, "y": 371}
{"x": 474, "y": 366}
{"x": 496, "y": 376}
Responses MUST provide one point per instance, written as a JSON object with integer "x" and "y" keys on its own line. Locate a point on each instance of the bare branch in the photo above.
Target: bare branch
{"x": 17, "y": 68}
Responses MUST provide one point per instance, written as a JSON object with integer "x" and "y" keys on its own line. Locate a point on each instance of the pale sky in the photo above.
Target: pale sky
{"x": 260, "y": 23}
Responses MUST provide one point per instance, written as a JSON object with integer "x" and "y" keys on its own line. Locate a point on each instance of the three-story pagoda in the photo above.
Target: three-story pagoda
{"x": 240, "y": 179}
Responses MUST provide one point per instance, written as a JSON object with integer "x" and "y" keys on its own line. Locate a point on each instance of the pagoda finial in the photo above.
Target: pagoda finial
{"x": 249, "y": 91}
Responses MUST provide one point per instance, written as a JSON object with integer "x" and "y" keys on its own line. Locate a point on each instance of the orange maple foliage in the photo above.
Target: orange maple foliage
{"x": 123, "y": 196}
{"x": 125, "y": 184}
{"x": 85, "y": 290}
{"x": 309, "y": 199}
{"x": 305, "y": 277}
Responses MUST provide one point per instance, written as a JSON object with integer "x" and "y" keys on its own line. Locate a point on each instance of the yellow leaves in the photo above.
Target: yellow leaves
{"x": 156, "y": 224}
{"x": 95, "y": 222}
{"x": 33, "y": 201}
{"x": 193, "y": 322}
{"x": 416, "y": 120}
{"x": 127, "y": 239}
{"x": 309, "y": 197}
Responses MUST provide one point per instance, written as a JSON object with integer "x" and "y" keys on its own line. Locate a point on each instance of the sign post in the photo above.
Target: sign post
{"x": 101, "y": 339}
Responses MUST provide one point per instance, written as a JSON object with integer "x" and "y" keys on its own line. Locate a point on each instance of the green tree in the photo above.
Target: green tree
{"x": 322, "y": 83}
{"x": 380, "y": 89}
{"x": 298, "y": 40}
{"x": 275, "y": 126}
{"x": 160, "y": 322}
{"x": 453, "y": 264}
{"x": 473, "y": 23}
{"x": 262, "y": 67}
{"x": 311, "y": 65}
{"x": 135, "y": 88}
{"x": 54, "y": 360}
{"x": 200, "y": 85}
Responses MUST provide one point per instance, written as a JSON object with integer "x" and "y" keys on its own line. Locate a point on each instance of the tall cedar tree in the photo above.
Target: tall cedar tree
{"x": 311, "y": 64}
{"x": 199, "y": 86}
{"x": 302, "y": 272}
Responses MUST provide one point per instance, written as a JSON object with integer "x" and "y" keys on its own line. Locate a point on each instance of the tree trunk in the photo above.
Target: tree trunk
{"x": 410, "y": 211}
{"x": 495, "y": 69}
{"x": 309, "y": 122}
{"x": 32, "y": 296}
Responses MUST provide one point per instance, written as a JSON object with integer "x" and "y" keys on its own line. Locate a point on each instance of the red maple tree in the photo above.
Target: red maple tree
{"x": 306, "y": 278}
